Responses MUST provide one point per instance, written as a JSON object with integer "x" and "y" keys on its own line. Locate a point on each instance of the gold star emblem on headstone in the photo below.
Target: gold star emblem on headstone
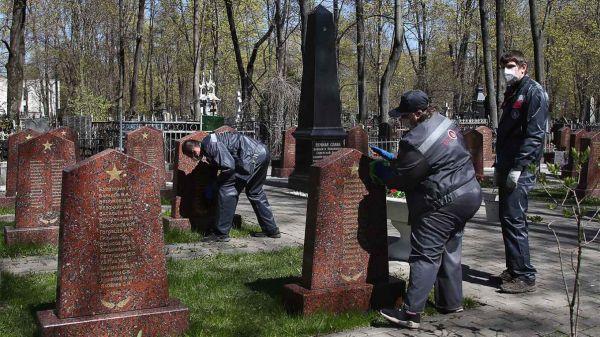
{"x": 114, "y": 174}
{"x": 354, "y": 170}
{"x": 64, "y": 133}
{"x": 28, "y": 137}
{"x": 145, "y": 135}
{"x": 47, "y": 145}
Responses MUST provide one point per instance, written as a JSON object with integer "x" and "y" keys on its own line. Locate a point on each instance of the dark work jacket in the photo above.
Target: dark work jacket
{"x": 522, "y": 127}
{"x": 232, "y": 153}
{"x": 433, "y": 166}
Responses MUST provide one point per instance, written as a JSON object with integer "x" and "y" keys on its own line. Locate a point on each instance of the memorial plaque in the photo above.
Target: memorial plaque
{"x": 39, "y": 179}
{"x": 574, "y": 142}
{"x": 68, "y": 133}
{"x": 358, "y": 139}
{"x": 345, "y": 262}
{"x": 112, "y": 277}
{"x": 589, "y": 181}
{"x": 319, "y": 131}
{"x": 288, "y": 155}
{"x": 146, "y": 144}
{"x": 8, "y": 200}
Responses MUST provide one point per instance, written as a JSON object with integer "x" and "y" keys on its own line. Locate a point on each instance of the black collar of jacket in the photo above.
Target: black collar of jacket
{"x": 513, "y": 90}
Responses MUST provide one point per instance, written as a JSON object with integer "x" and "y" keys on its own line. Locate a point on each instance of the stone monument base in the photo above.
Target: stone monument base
{"x": 365, "y": 296}
{"x": 38, "y": 235}
{"x": 171, "y": 320}
{"x": 199, "y": 224}
{"x": 7, "y": 201}
{"x": 279, "y": 172}
{"x": 298, "y": 182}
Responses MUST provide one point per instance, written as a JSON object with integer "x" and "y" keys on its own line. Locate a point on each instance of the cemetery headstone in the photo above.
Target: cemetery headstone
{"x": 40, "y": 125}
{"x": 112, "y": 277}
{"x": 8, "y": 200}
{"x": 68, "y": 133}
{"x": 358, "y": 139}
{"x": 146, "y": 144}
{"x": 474, "y": 143}
{"x": 589, "y": 181}
{"x": 345, "y": 262}
{"x": 563, "y": 139}
{"x": 224, "y": 128}
{"x": 488, "y": 154}
{"x": 39, "y": 182}
{"x": 574, "y": 142}
{"x": 319, "y": 132}
{"x": 288, "y": 155}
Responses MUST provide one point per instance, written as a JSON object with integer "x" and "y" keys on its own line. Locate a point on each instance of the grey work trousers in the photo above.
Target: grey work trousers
{"x": 435, "y": 258}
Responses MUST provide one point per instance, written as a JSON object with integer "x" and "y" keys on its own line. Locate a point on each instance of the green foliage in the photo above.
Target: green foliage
{"x": 86, "y": 103}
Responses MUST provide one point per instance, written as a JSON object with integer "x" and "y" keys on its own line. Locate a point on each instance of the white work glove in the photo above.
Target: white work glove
{"x": 512, "y": 179}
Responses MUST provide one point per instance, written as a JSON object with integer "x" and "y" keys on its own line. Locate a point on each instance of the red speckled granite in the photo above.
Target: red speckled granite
{"x": 574, "y": 142}
{"x": 488, "y": 153}
{"x": 146, "y": 144}
{"x": 112, "y": 277}
{"x": 345, "y": 264}
{"x": 288, "y": 155}
{"x": 190, "y": 177}
{"x": 358, "y": 139}
{"x": 224, "y": 128}
{"x": 68, "y": 133}
{"x": 8, "y": 200}
{"x": 37, "y": 208}
{"x": 563, "y": 139}
{"x": 589, "y": 184}
{"x": 474, "y": 144}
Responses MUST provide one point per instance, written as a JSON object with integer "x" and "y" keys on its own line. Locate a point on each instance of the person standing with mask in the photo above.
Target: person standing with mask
{"x": 435, "y": 170}
{"x": 519, "y": 144}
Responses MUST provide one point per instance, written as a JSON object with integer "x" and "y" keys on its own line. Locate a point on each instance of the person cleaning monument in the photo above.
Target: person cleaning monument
{"x": 435, "y": 170}
{"x": 242, "y": 163}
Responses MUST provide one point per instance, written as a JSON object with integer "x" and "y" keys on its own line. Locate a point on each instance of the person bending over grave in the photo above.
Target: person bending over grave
{"x": 242, "y": 163}
{"x": 435, "y": 170}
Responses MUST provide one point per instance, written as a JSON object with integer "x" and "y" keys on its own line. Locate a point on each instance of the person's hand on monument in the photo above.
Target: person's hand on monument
{"x": 383, "y": 153}
{"x": 379, "y": 170}
{"x": 512, "y": 179}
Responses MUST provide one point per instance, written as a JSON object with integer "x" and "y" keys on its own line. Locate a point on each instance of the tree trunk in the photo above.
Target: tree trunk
{"x": 538, "y": 48}
{"x": 139, "y": 28}
{"x": 487, "y": 59}
{"x": 388, "y": 73}
{"x": 360, "y": 56}
{"x": 500, "y": 85}
{"x": 121, "y": 87}
{"x": 303, "y": 23}
{"x": 196, "y": 85}
{"x": 16, "y": 61}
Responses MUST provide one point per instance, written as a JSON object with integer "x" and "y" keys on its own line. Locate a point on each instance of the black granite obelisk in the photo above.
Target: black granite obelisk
{"x": 319, "y": 131}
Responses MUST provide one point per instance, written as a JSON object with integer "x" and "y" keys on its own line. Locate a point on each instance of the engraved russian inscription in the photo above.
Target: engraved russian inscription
{"x": 352, "y": 252}
{"x": 322, "y": 149}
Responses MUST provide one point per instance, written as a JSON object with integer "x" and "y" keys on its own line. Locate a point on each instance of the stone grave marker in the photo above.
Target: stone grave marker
{"x": 345, "y": 262}
{"x": 474, "y": 143}
{"x": 574, "y": 142}
{"x": 223, "y": 129}
{"x": 487, "y": 148}
{"x": 358, "y": 139}
{"x": 319, "y": 132}
{"x": 564, "y": 139}
{"x": 589, "y": 182}
{"x": 288, "y": 155}
{"x": 39, "y": 182}
{"x": 68, "y": 133}
{"x": 112, "y": 277}
{"x": 8, "y": 200}
{"x": 146, "y": 144}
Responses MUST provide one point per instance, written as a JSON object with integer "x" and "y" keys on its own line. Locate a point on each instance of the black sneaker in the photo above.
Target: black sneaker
{"x": 402, "y": 318}
{"x": 444, "y": 311}
{"x": 505, "y": 276}
{"x": 518, "y": 286}
{"x": 216, "y": 238}
{"x": 275, "y": 235}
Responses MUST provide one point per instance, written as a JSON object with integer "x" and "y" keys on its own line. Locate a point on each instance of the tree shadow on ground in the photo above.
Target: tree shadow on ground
{"x": 273, "y": 286}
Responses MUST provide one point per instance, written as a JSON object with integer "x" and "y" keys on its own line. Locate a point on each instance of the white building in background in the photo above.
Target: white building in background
{"x": 32, "y": 104}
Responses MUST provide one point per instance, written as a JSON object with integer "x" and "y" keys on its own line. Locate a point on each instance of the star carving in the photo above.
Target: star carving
{"x": 64, "y": 133}
{"x": 145, "y": 135}
{"x": 28, "y": 137}
{"x": 47, "y": 145}
{"x": 354, "y": 170}
{"x": 114, "y": 174}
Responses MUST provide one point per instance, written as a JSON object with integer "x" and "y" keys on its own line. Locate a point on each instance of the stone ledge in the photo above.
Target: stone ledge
{"x": 38, "y": 235}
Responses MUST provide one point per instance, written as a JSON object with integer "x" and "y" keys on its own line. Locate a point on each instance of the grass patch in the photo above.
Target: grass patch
{"x": 20, "y": 250}
{"x": 165, "y": 201}
{"x": 7, "y": 210}
{"x": 173, "y": 235}
{"x": 558, "y": 194}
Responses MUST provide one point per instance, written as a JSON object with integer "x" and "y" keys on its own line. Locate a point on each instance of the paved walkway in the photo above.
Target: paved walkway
{"x": 543, "y": 313}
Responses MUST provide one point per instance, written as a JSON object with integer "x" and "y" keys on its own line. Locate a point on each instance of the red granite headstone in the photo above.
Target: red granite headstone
{"x": 345, "y": 264}
{"x": 8, "y": 200}
{"x": 112, "y": 277}
{"x": 68, "y": 133}
{"x": 488, "y": 154}
{"x": 224, "y": 128}
{"x": 564, "y": 139}
{"x": 589, "y": 181}
{"x": 574, "y": 142}
{"x": 358, "y": 139}
{"x": 474, "y": 143}
{"x": 146, "y": 144}
{"x": 288, "y": 155}
{"x": 37, "y": 211}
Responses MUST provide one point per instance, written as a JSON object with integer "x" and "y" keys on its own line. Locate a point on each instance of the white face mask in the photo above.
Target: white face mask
{"x": 511, "y": 75}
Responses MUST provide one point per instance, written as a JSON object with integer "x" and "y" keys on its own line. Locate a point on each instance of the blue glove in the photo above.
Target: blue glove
{"x": 380, "y": 170}
{"x": 383, "y": 153}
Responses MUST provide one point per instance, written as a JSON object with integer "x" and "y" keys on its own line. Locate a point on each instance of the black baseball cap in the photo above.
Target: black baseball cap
{"x": 411, "y": 101}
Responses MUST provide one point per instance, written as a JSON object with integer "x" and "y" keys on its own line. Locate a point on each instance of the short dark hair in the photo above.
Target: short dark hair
{"x": 188, "y": 147}
{"x": 515, "y": 56}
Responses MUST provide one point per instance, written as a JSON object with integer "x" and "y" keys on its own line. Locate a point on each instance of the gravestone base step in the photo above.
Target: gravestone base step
{"x": 182, "y": 224}
{"x": 279, "y": 172}
{"x": 37, "y": 235}
{"x": 7, "y": 201}
{"x": 171, "y": 320}
{"x": 365, "y": 296}
{"x": 201, "y": 224}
